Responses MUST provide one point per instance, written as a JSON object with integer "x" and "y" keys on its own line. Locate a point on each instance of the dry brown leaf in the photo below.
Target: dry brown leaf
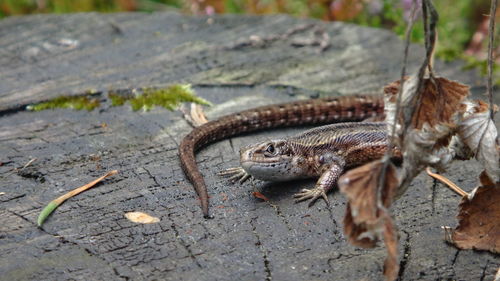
{"x": 355, "y": 232}
{"x": 408, "y": 94}
{"x": 484, "y": 179}
{"x": 478, "y": 221}
{"x": 360, "y": 187}
{"x": 259, "y": 195}
{"x": 366, "y": 215}
{"x": 391, "y": 264}
{"x": 479, "y": 133}
{"x": 439, "y": 102}
{"x": 140, "y": 217}
{"x": 392, "y": 89}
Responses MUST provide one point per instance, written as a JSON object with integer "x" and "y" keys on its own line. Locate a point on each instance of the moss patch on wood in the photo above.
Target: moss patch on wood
{"x": 88, "y": 101}
{"x": 146, "y": 98}
{"x": 169, "y": 97}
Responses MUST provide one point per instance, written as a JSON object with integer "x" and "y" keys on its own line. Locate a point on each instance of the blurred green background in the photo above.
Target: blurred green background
{"x": 462, "y": 27}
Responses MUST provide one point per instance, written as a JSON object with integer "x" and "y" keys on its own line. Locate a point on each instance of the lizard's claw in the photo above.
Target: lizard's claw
{"x": 235, "y": 174}
{"x": 312, "y": 194}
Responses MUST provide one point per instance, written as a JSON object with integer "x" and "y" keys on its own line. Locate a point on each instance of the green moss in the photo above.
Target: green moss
{"x": 117, "y": 99}
{"x": 169, "y": 98}
{"x": 86, "y": 101}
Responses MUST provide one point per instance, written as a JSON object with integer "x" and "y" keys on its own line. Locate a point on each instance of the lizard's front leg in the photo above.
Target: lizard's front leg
{"x": 326, "y": 182}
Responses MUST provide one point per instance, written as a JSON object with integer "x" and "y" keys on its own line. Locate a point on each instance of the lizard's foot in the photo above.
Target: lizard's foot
{"x": 312, "y": 194}
{"x": 235, "y": 174}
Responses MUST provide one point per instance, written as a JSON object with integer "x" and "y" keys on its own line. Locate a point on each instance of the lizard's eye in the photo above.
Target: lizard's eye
{"x": 270, "y": 150}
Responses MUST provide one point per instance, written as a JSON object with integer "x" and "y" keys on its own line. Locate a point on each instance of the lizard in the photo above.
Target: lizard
{"x": 323, "y": 152}
{"x": 305, "y": 112}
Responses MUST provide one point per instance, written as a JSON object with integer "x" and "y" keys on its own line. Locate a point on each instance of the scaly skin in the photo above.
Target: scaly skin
{"x": 323, "y": 152}
{"x": 306, "y": 112}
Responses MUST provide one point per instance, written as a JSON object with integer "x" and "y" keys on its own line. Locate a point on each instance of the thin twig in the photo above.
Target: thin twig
{"x": 430, "y": 18}
{"x": 447, "y": 182}
{"x": 17, "y": 170}
{"x": 388, "y": 154}
{"x": 491, "y": 31}
{"x": 403, "y": 72}
{"x": 27, "y": 164}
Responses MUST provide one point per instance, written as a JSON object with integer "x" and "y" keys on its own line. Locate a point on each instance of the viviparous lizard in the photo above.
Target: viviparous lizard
{"x": 324, "y": 152}
{"x": 305, "y": 112}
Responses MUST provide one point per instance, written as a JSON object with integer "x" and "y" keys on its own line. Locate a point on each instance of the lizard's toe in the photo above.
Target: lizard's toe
{"x": 312, "y": 194}
{"x": 245, "y": 178}
{"x": 230, "y": 171}
{"x": 235, "y": 174}
{"x": 304, "y": 194}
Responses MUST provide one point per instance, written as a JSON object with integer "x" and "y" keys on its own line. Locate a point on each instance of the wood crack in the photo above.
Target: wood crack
{"x": 263, "y": 251}
{"x": 406, "y": 256}
{"x": 183, "y": 243}
{"x": 483, "y": 274}
{"x": 280, "y": 215}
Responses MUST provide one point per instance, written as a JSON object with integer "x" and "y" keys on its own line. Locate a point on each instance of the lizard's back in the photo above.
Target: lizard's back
{"x": 357, "y": 144}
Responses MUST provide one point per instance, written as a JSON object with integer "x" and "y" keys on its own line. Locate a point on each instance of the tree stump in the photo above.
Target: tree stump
{"x": 236, "y": 62}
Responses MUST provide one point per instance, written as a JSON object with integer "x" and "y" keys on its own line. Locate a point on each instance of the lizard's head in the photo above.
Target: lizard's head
{"x": 272, "y": 161}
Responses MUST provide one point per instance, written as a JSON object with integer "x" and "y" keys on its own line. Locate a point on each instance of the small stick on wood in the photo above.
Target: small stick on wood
{"x": 27, "y": 164}
{"x": 16, "y": 170}
{"x": 447, "y": 182}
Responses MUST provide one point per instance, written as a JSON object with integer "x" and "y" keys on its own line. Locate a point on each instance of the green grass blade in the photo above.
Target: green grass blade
{"x": 46, "y": 212}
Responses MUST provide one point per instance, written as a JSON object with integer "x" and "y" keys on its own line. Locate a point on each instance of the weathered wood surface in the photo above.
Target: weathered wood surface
{"x": 88, "y": 238}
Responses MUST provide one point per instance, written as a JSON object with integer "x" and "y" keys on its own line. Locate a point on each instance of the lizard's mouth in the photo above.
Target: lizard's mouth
{"x": 252, "y": 165}
{"x": 267, "y": 171}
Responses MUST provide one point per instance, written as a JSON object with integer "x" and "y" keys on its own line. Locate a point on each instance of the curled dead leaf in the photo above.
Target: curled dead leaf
{"x": 440, "y": 100}
{"x": 391, "y": 264}
{"x": 478, "y": 221}
{"x": 356, "y": 233}
{"x": 391, "y": 90}
{"x": 366, "y": 217}
{"x": 140, "y": 217}
{"x": 360, "y": 186}
{"x": 479, "y": 133}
